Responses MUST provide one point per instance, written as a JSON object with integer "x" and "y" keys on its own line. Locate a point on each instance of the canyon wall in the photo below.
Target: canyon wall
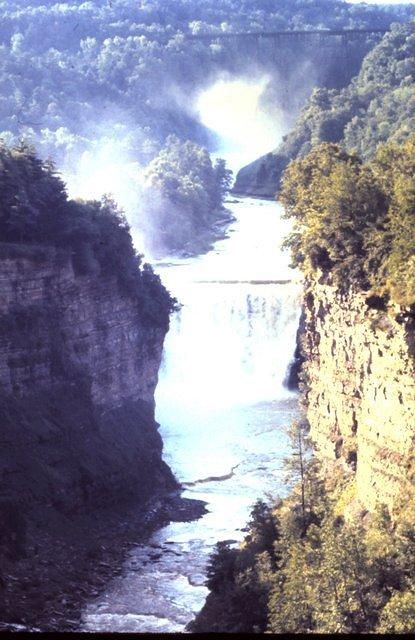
{"x": 78, "y": 370}
{"x": 359, "y": 378}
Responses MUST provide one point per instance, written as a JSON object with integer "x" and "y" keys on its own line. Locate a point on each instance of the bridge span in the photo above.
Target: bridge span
{"x": 321, "y": 35}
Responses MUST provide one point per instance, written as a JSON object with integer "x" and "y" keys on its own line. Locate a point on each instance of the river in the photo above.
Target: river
{"x": 222, "y": 406}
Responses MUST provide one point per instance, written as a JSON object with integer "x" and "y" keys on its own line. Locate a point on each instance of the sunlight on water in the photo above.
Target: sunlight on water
{"x": 230, "y": 330}
{"x": 232, "y": 108}
{"x": 230, "y": 344}
{"x": 240, "y": 310}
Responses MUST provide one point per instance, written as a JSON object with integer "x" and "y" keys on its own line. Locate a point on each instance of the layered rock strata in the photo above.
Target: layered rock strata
{"x": 78, "y": 370}
{"x": 359, "y": 380}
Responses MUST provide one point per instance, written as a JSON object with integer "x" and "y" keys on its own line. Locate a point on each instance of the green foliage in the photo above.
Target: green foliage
{"x": 71, "y": 72}
{"x": 355, "y": 221}
{"x": 376, "y": 107}
{"x": 191, "y": 191}
{"x": 30, "y": 193}
{"x": 263, "y": 531}
{"x": 221, "y": 567}
{"x": 239, "y": 579}
{"x": 297, "y": 467}
{"x": 35, "y": 210}
{"x": 398, "y": 616}
{"x": 322, "y": 576}
{"x": 391, "y": 254}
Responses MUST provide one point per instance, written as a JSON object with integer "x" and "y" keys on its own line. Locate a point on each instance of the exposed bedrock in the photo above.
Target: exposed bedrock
{"x": 78, "y": 370}
{"x": 360, "y": 390}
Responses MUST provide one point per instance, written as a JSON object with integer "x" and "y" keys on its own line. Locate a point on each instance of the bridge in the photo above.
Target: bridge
{"x": 321, "y": 35}
{"x": 341, "y": 49}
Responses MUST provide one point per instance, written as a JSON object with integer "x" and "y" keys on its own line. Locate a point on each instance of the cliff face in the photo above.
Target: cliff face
{"x": 360, "y": 380}
{"x": 78, "y": 369}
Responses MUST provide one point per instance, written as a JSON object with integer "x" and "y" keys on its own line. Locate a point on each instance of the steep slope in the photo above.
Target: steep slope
{"x": 354, "y": 238}
{"x": 360, "y": 393}
{"x": 82, "y": 324}
{"x": 77, "y": 373}
{"x": 378, "y": 105}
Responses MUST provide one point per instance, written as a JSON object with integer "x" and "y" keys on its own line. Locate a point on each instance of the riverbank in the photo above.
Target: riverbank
{"x": 204, "y": 242}
{"x": 70, "y": 561}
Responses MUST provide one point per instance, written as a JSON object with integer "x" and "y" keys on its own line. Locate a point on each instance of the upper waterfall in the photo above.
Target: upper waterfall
{"x": 232, "y": 340}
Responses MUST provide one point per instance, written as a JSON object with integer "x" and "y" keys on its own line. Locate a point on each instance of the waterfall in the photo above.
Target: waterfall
{"x": 234, "y": 337}
{"x": 222, "y": 409}
{"x": 229, "y": 344}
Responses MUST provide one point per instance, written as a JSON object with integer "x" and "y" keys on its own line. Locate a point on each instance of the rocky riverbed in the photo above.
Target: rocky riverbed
{"x": 69, "y": 562}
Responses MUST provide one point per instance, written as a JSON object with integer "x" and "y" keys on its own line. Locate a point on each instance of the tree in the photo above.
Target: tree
{"x": 221, "y": 568}
{"x": 264, "y": 530}
{"x": 345, "y": 598}
{"x": 354, "y": 222}
{"x": 398, "y": 616}
{"x": 32, "y": 196}
{"x": 395, "y": 167}
{"x": 298, "y": 465}
{"x": 222, "y": 182}
{"x": 289, "y": 604}
{"x": 191, "y": 192}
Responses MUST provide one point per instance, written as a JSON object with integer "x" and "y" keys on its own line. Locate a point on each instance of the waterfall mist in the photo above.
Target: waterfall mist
{"x": 245, "y": 121}
{"x": 238, "y": 111}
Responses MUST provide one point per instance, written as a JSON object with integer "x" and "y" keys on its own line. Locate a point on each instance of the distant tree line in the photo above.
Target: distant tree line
{"x": 377, "y": 106}
{"x": 71, "y": 71}
{"x": 76, "y": 76}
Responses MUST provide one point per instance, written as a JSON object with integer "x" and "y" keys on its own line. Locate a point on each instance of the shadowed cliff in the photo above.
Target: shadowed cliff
{"x": 82, "y": 325}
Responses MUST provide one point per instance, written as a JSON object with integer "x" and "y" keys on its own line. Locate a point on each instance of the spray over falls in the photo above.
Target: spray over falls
{"x": 237, "y": 110}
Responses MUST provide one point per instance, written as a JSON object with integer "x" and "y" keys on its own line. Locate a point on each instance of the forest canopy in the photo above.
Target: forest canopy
{"x": 100, "y": 65}
{"x": 118, "y": 78}
{"x": 377, "y": 106}
{"x": 355, "y": 221}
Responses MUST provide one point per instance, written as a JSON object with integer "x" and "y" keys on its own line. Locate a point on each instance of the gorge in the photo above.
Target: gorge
{"x": 225, "y": 449}
{"x": 222, "y": 406}
{"x": 220, "y": 439}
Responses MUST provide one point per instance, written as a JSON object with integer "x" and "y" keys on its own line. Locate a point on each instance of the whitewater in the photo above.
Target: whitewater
{"x": 222, "y": 407}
